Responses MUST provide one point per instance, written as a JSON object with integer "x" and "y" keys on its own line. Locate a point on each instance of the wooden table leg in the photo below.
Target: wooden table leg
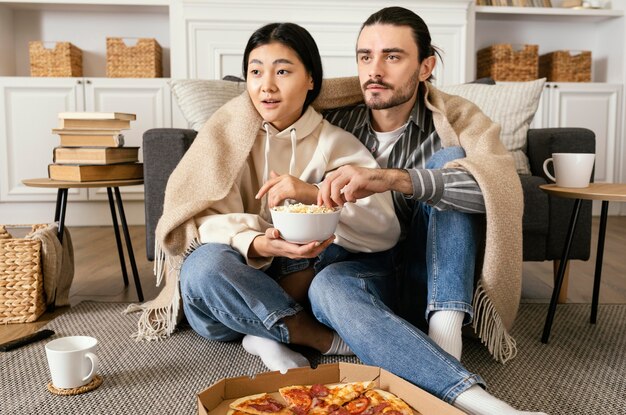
{"x": 129, "y": 245}
{"x": 118, "y": 239}
{"x": 599, "y": 256}
{"x": 559, "y": 282}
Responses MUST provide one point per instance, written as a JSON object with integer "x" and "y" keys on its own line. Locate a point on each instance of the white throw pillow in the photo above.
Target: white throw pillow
{"x": 510, "y": 104}
{"x": 198, "y": 99}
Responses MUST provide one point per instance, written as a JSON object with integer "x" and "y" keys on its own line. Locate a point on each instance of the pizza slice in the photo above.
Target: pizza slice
{"x": 260, "y": 404}
{"x": 379, "y": 402}
{"x": 322, "y": 399}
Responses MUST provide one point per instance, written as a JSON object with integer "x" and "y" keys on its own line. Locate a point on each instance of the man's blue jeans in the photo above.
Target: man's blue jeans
{"x": 435, "y": 264}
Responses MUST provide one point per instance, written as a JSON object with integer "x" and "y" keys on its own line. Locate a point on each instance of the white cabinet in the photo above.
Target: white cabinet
{"x": 29, "y": 110}
{"x": 210, "y": 36}
{"x": 592, "y": 106}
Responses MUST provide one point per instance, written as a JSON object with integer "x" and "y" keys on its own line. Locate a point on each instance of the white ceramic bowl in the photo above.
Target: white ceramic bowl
{"x": 302, "y": 228}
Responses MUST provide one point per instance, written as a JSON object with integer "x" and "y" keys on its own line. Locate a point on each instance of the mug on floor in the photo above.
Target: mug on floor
{"x": 72, "y": 361}
{"x": 570, "y": 169}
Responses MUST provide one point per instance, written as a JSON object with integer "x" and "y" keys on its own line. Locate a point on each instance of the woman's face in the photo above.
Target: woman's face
{"x": 278, "y": 83}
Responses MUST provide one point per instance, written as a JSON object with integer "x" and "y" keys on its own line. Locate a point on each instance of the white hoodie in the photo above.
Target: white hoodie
{"x": 369, "y": 225}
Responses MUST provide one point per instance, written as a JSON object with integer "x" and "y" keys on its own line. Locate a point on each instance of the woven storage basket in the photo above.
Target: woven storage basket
{"x": 140, "y": 61}
{"x": 565, "y": 66}
{"x": 22, "y": 297}
{"x": 502, "y": 63}
{"x": 63, "y": 61}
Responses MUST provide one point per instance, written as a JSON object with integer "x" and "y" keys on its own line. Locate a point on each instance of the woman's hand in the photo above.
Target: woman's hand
{"x": 280, "y": 188}
{"x": 271, "y": 244}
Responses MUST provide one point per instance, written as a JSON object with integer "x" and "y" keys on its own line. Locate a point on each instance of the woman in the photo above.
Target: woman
{"x": 244, "y": 279}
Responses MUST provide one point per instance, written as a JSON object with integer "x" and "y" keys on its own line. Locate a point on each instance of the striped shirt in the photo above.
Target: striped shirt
{"x": 442, "y": 189}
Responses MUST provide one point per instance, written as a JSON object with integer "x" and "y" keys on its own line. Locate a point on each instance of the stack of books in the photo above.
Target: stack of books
{"x": 92, "y": 148}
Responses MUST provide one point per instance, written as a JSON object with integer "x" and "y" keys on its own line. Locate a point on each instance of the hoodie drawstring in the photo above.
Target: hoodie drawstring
{"x": 266, "y": 167}
{"x": 292, "y": 163}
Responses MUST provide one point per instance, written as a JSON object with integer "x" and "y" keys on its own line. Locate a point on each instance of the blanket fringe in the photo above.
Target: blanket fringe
{"x": 488, "y": 325}
{"x": 156, "y": 323}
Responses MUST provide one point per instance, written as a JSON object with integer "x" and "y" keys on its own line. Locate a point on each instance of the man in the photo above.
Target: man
{"x": 414, "y": 130}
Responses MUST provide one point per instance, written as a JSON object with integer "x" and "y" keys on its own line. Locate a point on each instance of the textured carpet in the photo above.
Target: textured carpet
{"x": 581, "y": 371}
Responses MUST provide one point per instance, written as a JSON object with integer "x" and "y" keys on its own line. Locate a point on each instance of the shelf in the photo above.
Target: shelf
{"x": 545, "y": 13}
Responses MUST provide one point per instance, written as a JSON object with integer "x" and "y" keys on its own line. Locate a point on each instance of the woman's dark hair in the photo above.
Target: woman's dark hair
{"x": 399, "y": 16}
{"x": 300, "y": 41}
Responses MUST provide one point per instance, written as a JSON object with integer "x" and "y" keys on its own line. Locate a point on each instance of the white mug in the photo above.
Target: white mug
{"x": 72, "y": 361}
{"x": 570, "y": 169}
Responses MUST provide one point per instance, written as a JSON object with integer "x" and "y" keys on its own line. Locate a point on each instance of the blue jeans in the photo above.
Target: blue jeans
{"x": 350, "y": 296}
{"x": 438, "y": 257}
{"x": 224, "y": 298}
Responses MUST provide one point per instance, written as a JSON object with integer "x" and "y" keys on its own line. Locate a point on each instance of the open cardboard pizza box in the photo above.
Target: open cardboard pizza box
{"x": 215, "y": 399}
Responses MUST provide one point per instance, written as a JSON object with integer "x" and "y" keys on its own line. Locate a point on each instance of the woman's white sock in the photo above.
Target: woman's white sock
{"x": 444, "y": 328}
{"x": 338, "y": 347}
{"x": 477, "y": 401}
{"x": 274, "y": 354}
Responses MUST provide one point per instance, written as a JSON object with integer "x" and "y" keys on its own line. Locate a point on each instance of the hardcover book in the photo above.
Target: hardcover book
{"x": 89, "y": 173}
{"x": 93, "y": 138}
{"x": 95, "y": 155}
{"x": 112, "y": 124}
{"x": 97, "y": 116}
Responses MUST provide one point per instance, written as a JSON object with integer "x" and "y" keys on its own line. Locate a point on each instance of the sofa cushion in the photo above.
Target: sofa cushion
{"x": 198, "y": 99}
{"x": 512, "y": 105}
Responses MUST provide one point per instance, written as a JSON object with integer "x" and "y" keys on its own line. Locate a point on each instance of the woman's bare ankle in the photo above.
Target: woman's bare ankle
{"x": 306, "y": 331}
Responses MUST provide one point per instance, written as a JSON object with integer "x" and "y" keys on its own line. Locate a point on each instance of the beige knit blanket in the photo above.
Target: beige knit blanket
{"x": 205, "y": 175}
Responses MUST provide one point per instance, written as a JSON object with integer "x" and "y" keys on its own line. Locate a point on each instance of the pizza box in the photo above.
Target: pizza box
{"x": 215, "y": 399}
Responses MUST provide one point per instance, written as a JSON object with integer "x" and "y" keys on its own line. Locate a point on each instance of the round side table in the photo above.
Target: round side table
{"x": 112, "y": 186}
{"x": 606, "y": 192}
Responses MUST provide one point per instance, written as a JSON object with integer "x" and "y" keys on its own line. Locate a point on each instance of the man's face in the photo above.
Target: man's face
{"x": 389, "y": 71}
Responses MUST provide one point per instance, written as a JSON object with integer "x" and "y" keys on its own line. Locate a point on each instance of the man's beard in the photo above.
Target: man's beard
{"x": 399, "y": 96}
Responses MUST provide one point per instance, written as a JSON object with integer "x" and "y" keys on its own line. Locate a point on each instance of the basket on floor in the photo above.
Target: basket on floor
{"x": 65, "y": 60}
{"x": 502, "y": 63}
{"x": 140, "y": 61}
{"x": 566, "y": 66}
{"x": 22, "y": 298}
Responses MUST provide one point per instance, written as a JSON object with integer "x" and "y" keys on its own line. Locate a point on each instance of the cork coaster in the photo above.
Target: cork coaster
{"x": 95, "y": 382}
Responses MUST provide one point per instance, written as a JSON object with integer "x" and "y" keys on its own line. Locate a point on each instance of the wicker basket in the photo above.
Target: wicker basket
{"x": 22, "y": 297}
{"x": 140, "y": 61}
{"x": 63, "y": 61}
{"x": 565, "y": 66}
{"x": 502, "y": 63}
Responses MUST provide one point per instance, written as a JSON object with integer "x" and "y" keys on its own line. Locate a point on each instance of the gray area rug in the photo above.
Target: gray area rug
{"x": 581, "y": 371}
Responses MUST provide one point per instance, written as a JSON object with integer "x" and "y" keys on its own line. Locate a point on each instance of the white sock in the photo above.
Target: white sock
{"x": 477, "y": 401}
{"x": 275, "y": 355}
{"x": 444, "y": 328}
{"x": 338, "y": 347}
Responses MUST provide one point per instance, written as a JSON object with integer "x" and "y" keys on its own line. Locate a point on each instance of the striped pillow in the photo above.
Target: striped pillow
{"x": 510, "y": 104}
{"x": 198, "y": 99}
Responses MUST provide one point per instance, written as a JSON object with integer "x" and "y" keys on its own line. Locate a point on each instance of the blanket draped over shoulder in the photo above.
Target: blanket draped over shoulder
{"x": 205, "y": 175}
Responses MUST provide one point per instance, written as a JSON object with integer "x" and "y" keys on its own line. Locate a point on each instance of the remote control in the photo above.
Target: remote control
{"x": 23, "y": 341}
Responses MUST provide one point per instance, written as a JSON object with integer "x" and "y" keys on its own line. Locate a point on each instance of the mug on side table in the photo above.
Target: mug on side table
{"x": 72, "y": 361}
{"x": 570, "y": 169}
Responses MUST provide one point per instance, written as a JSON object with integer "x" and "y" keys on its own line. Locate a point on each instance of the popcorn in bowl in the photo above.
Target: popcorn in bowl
{"x": 300, "y": 223}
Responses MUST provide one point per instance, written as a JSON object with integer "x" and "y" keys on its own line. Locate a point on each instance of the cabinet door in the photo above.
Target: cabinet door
{"x": 149, "y": 99}
{"x": 592, "y": 106}
{"x": 29, "y": 109}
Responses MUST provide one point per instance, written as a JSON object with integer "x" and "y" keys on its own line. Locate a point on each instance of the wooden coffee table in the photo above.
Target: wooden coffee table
{"x": 606, "y": 192}
{"x": 112, "y": 186}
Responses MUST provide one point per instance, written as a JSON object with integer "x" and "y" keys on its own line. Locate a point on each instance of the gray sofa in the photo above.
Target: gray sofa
{"x": 545, "y": 220}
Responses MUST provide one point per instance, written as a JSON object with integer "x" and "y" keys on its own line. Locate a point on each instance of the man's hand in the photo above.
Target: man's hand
{"x": 280, "y": 188}
{"x": 349, "y": 183}
{"x": 271, "y": 244}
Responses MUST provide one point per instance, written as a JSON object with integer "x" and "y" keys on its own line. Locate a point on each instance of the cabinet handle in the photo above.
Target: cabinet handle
{"x": 556, "y": 86}
{"x": 79, "y": 82}
{"x": 88, "y": 82}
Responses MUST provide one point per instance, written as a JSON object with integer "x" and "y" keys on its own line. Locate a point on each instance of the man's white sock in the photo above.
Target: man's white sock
{"x": 338, "y": 347}
{"x": 274, "y": 354}
{"x": 477, "y": 401}
{"x": 444, "y": 328}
